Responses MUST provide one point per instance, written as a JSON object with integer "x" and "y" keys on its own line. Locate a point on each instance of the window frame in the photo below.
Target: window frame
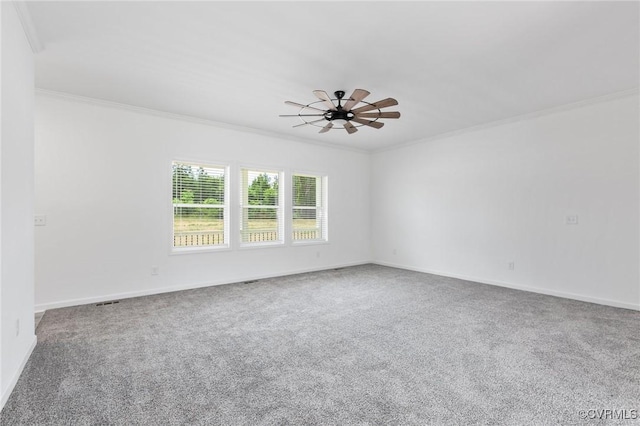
{"x": 280, "y": 208}
{"x": 225, "y": 206}
{"x": 322, "y": 209}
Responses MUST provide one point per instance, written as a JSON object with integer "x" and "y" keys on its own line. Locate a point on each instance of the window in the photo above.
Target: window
{"x": 261, "y": 219}
{"x": 309, "y": 208}
{"x": 200, "y": 206}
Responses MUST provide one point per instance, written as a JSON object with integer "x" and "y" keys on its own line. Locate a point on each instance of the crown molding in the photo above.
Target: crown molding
{"x": 27, "y": 24}
{"x": 517, "y": 118}
{"x": 212, "y": 123}
{"x": 190, "y": 119}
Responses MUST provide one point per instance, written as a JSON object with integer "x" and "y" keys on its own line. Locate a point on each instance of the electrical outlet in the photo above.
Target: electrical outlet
{"x": 512, "y": 266}
{"x": 155, "y": 270}
{"x": 317, "y": 254}
{"x": 572, "y": 219}
{"x": 40, "y": 220}
{"x": 394, "y": 251}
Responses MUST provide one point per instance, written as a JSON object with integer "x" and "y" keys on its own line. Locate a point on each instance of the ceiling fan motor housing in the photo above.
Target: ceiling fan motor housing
{"x": 340, "y": 113}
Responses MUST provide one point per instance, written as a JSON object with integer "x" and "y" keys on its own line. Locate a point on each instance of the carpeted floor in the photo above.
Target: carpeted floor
{"x": 360, "y": 345}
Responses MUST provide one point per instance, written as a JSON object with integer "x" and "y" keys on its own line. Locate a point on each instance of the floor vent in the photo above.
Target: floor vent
{"x": 338, "y": 269}
{"x": 251, "y": 281}
{"x": 111, "y": 302}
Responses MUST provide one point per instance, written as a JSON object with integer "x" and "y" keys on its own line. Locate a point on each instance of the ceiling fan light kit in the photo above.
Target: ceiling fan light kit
{"x": 326, "y": 114}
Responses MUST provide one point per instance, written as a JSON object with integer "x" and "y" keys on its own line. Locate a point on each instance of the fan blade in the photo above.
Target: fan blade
{"x": 374, "y": 124}
{"x": 322, "y": 95}
{"x": 309, "y": 122}
{"x": 380, "y": 104}
{"x": 302, "y": 106}
{"x": 390, "y": 114}
{"x": 356, "y": 97}
{"x": 301, "y": 115}
{"x": 350, "y": 128}
{"x": 326, "y": 128}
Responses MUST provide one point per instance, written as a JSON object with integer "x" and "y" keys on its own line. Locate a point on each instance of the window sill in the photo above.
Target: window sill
{"x": 250, "y": 246}
{"x": 309, "y": 242}
{"x": 196, "y": 250}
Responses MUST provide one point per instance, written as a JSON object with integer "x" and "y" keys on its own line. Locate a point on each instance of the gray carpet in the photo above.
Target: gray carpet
{"x": 361, "y": 345}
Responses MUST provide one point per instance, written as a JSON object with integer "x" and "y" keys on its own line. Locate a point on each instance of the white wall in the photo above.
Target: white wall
{"x": 16, "y": 200}
{"x": 463, "y": 206}
{"x": 103, "y": 182}
{"x": 468, "y": 205}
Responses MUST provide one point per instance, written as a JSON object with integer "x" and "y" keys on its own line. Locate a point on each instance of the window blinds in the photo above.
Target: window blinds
{"x": 200, "y": 205}
{"x": 261, "y": 219}
{"x": 309, "y": 212}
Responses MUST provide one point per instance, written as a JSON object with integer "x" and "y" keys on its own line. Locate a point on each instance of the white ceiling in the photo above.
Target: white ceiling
{"x": 450, "y": 65}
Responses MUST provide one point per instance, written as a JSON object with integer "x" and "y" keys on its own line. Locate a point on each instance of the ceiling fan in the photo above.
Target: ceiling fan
{"x": 343, "y": 116}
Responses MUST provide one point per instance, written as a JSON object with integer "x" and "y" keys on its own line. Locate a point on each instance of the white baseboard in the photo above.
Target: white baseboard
{"x": 127, "y": 295}
{"x": 548, "y": 292}
{"x": 16, "y": 376}
{"x": 118, "y": 296}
